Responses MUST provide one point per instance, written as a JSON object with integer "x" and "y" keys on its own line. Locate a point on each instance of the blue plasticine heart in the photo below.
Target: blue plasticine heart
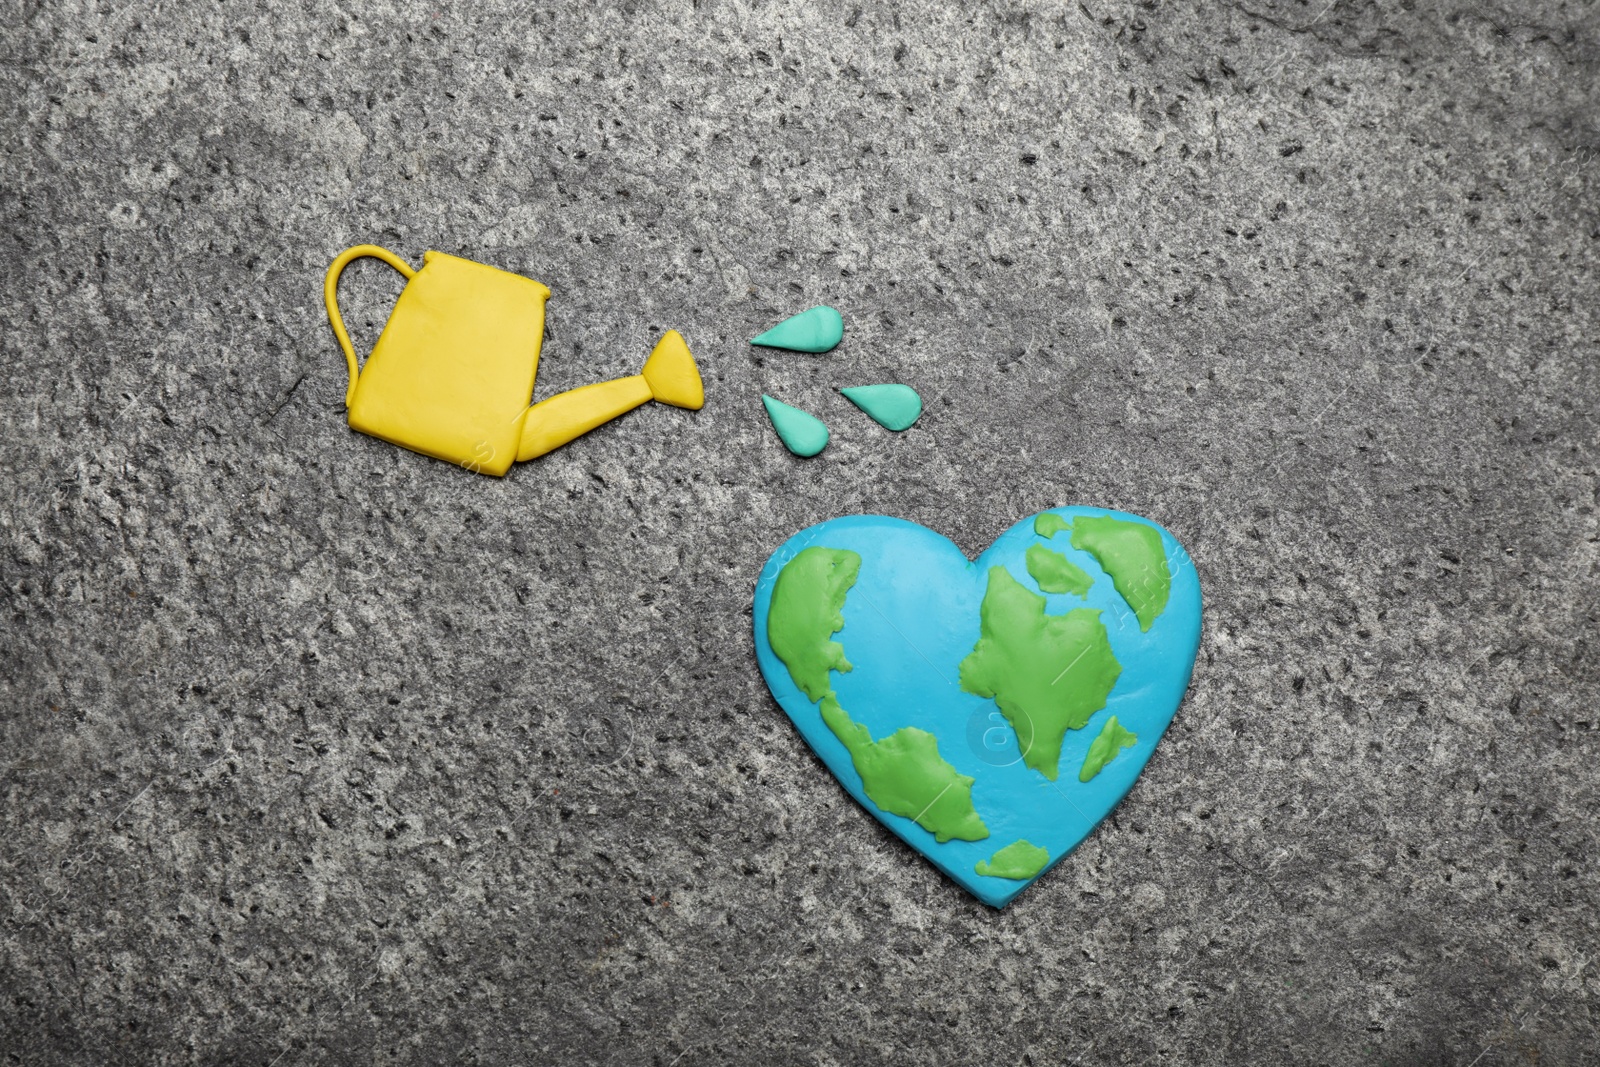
{"x": 936, "y": 689}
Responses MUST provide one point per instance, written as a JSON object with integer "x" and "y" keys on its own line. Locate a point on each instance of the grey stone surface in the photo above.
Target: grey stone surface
{"x": 319, "y": 751}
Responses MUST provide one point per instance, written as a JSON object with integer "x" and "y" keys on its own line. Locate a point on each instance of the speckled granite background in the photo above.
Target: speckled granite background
{"x": 318, "y": 751}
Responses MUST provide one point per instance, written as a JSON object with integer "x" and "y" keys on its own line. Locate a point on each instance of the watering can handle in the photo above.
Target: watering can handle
{"x": 330, "y": 297}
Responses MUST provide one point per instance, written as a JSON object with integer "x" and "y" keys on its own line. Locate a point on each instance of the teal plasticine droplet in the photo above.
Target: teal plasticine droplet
{"x": 817, "y": 330}
{"x": 801, "y": 433}
{"x": 894, "y": 407}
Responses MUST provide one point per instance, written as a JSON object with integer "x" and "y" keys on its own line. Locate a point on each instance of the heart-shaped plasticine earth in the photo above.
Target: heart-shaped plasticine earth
{"x": 989, "y": 712}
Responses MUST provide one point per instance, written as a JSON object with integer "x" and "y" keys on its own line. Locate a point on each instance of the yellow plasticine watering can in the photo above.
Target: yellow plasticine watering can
{"x": 452, "y": 373}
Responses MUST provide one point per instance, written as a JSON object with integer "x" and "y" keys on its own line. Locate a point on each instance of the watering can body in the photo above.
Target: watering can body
{"x": 452, "y": 373}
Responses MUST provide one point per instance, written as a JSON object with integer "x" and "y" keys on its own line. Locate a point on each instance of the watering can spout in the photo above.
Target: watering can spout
{"x": 669, "y": 375}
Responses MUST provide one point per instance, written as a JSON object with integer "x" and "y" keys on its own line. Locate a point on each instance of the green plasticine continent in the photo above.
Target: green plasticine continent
{"x": 1056, "y": 573}
{"x": 807, "y": 610}
{"x": 1019, "y": 861}
{"x": 1048, "y": 524}
{"x": 1113, "y": 739}
{"x": 1047, "y": 673}
{"x": 801, "y": 432}
{"x": 894, "y": 407}
{"x": 816, "y": 330}
{"x": 1132, "y": 554}
{"x": 903, "y": 774}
